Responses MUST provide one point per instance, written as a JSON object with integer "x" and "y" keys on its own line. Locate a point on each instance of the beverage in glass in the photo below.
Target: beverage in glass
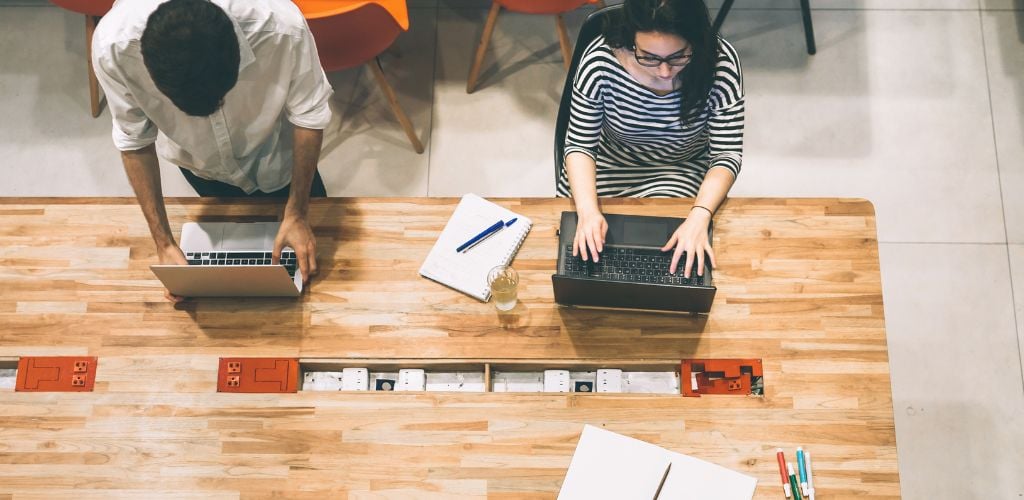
{"x": 504, "y": 282}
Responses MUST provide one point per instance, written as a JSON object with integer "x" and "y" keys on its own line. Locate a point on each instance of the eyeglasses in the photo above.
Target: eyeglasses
{"x": 652, "y": 61}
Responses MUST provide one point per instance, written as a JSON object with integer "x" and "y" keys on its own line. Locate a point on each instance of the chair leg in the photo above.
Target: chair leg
{"x": 805, "y": 7}
{"x": 95, "y": 99}
{"x": 563, "y": 40}
{"x": 474, "y": 71}
{"x": 378, "y": 75}
{"x": 720, "y": 18}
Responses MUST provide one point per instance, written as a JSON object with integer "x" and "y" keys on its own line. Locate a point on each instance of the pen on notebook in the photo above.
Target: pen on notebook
{"x": 802, "y": 469}
{"x": 810, "y": 476}
{"x": 782, "y": 471}
{"x": 792, "y": 483}
{"x": 486, "y": 233}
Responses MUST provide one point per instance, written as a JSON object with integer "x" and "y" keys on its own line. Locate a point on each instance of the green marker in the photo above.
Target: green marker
{"x": 793, "y": 484}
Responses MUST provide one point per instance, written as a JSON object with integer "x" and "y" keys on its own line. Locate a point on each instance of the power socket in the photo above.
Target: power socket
{"x": 556, "y": 380}
{"x": 355, "y": 379}
{"x": 609, "y": 380}
{"x": 81, "y": 366}
{"x": 411, "y": 379}
{"x": 384, "y": 381}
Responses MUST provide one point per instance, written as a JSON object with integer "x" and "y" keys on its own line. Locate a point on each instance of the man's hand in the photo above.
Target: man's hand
{"x": 296, "y": 233}
{"x": 691, "y": 237}
{"x": 172, "y": 255}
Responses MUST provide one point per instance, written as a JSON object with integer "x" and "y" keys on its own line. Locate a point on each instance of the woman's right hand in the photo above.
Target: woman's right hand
{"x": 591, "y": 229}
{"x": 172, "y": 255}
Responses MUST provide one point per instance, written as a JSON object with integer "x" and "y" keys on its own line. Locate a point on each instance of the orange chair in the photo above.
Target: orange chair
{"x": 93, "y": 10}
{"x": 351, "y": 33}
{"x": 548, "y": 7}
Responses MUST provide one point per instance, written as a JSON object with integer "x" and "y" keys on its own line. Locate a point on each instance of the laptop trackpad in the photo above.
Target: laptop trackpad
{"x": 248, "y": 236}
{"x": 645, "y": 233}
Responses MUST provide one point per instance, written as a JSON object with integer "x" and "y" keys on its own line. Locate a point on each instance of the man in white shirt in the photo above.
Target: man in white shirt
{"x": 237, "y": 91}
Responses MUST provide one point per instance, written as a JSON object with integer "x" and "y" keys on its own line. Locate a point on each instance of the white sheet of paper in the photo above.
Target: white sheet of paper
{"x": 694, "y": 479}
{"x": 610, "y": 465}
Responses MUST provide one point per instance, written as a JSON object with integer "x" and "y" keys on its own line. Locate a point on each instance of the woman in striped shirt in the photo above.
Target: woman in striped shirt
{"x": 656, "y": 111}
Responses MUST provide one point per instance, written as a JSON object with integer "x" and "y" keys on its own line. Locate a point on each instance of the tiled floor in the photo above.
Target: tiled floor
{"x": 916, "y": 105}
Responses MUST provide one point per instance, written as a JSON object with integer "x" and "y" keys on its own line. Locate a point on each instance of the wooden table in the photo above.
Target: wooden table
{"x": 798, "y": 286}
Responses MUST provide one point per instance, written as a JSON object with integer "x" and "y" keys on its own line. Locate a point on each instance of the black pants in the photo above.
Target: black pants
{"x": 206, "y": 187}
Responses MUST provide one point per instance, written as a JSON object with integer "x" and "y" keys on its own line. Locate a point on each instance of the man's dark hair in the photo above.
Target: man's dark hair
{"x": 191, "y": 52}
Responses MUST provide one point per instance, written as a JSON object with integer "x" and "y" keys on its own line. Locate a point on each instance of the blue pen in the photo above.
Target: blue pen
{"x": 486, "y": 233}
{"x": 803, "y": 469}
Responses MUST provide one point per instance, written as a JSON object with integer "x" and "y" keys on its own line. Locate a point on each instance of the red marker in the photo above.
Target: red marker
{"x": 782, "y": 472}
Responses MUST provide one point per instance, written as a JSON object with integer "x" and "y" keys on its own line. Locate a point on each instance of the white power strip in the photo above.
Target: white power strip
{"x": 355, "y": 379}
{"x": 411, "y": 379}
{"x": 609, "y": 380}
{"x": 556, "y": 381}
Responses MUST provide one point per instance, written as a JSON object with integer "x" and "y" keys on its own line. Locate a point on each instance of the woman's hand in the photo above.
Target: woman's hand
{"x": 692, "y": 238}
{"x": 591, "y": 229}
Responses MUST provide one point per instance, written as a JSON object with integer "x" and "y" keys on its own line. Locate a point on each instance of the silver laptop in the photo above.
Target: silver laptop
{"x": 231, "y": 259}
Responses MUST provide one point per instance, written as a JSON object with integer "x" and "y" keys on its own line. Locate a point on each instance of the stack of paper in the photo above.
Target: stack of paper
{"x": 610, "y": 465}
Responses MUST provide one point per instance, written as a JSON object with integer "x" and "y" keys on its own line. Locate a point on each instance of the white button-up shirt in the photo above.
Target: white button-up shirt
{"x": 248, "y": 141}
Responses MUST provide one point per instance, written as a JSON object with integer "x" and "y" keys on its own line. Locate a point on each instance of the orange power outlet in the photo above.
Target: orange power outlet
{"x": 56, "y": 374}
{"x": 258, "y": 375}
{"x": 721, "y": 376}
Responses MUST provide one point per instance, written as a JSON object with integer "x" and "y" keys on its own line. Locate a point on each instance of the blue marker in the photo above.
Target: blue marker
{"x": 803, "y": 469}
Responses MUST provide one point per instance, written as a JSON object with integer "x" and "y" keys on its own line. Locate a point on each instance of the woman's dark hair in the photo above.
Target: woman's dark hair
{"x": 687, "y": 19}
{"x": 191, "y": 52}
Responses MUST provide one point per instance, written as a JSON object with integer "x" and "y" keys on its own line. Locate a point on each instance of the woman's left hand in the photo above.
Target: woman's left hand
{"x": 692, "y": 238}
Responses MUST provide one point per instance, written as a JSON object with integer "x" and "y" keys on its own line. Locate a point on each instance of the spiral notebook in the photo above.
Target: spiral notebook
{"x": 467, "y": 271}
{"x": 610, "y": 465}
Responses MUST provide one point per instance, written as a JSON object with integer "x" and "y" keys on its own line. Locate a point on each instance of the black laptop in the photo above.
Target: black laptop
{"x": 632, "y": 272}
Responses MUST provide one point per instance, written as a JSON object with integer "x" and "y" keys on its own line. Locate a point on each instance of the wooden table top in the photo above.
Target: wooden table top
{"x": 798, "y": 286}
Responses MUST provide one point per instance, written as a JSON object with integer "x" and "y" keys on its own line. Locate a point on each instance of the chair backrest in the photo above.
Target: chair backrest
{"x": 542, "y": 6}
{"x": 357, "y": 32}
{"x": 592, "y": 27}
{"x": 96, "y": 8}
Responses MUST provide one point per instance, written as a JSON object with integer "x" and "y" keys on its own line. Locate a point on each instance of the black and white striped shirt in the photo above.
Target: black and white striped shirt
{"x": 636, "y": 136}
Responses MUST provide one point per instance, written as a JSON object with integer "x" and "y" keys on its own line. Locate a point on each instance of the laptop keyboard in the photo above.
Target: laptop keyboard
{"x": 633, "y": 265}
{"x": 240, "y": 259}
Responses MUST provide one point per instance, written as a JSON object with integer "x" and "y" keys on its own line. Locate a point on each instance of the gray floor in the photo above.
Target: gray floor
{"x": 916, "y": 105}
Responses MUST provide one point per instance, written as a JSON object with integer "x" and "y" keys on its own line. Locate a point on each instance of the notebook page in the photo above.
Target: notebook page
{"x": 694, "y": 479}
{"x": 610, "y": 465}
{"x": 467, "y": 271}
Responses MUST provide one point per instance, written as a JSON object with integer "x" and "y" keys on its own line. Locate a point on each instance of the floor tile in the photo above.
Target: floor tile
{"x": 957, "y": 390}
{"x": 497, "y": 141}
{"x": 1004, "y": 53}
{"x": 890, "y": 109}
{"x": 1017, "y": 276}
{"x": 47, "y": 128}
{"x": 1003, "y": 4}
{"x": 366, "y": 152}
